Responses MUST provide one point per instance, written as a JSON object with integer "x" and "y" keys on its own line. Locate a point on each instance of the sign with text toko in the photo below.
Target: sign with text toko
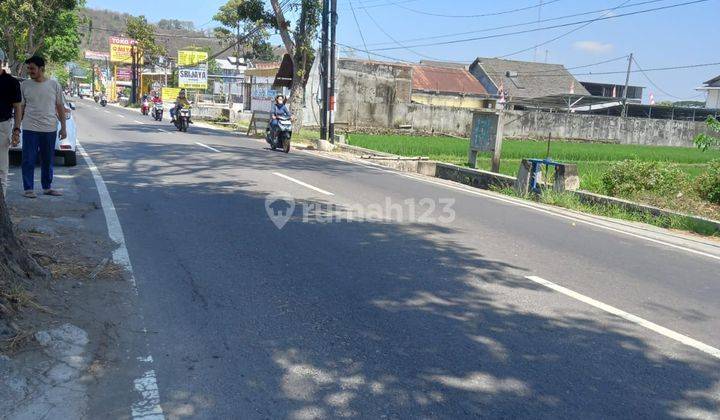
{"x": 121, "y": 49}
{"x": 192, "y": 78}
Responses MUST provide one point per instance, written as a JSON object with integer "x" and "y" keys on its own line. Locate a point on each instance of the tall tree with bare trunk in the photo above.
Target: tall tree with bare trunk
{"x": 15, "y": 261}
{"x": 299, "y": 44}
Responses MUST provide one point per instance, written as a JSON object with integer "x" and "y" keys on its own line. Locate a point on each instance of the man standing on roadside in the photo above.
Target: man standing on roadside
{"x": 10, "y": 99}
{"x": 43, "y": 105}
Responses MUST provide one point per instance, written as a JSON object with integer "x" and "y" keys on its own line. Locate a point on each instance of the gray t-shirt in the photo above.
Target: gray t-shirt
{"x": 40, "y": 100}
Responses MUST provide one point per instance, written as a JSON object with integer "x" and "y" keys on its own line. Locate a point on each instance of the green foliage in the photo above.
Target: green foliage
{"x": 140, "y": 30}
{"x": 625, "y": 178}
{"x": 39, "y": 26}
{"x": 708, "y": 184}
{"x": 60, "y": 73}
{"x": 241, "y": 17}
{"x": 705, "y": 141}
{"x": 174, "y": 24}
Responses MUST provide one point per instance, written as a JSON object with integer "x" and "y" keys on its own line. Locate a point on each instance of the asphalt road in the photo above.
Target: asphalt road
{"x": 392, "y": 315}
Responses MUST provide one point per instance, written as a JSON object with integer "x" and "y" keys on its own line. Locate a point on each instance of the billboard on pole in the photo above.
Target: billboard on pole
{"x": 121, "y": 50}
{"x": 96, "y": 55}
{"x": 192, "y": 58}
{"x": 193, "y": 78}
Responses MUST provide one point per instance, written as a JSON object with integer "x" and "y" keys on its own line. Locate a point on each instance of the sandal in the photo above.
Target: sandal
{"x": 53, "y": 193}
{"x": 29, "y": 194}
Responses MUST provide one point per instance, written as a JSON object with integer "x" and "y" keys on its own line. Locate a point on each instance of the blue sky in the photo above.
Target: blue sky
{"x": 674, "y": 37}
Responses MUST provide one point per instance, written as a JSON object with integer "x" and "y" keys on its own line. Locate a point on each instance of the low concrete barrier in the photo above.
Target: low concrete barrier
{"x": 489, "y": 180}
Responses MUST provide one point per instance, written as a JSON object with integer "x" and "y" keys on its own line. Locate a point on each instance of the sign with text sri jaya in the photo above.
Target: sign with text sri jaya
{"x": 121, "y": 49}
{"x": 192, "y": 78}
{"x": 192, "y": 58}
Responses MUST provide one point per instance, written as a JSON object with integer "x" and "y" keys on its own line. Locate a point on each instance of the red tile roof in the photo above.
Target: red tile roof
{"x": 446, "y": 80}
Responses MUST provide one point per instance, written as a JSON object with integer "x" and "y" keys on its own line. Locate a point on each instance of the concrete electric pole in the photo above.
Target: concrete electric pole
{"x": 627, "y": 82}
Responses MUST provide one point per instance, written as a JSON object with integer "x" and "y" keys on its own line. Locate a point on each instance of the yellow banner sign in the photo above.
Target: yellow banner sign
{"x": 169, "y": 94}
{"x": 121, "y": 50}
{"x": 192, "y": 58}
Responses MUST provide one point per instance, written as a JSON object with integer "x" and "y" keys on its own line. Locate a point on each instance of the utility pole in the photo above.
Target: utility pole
{"x": 627, "y": 81}
{"x": 324, "y": 71}
{"x": 333, "y": 48}
{"x": 133, "y": 72}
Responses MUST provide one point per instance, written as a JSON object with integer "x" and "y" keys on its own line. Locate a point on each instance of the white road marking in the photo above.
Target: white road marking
{"x": 121, "y": 115}
{"x": 162, "y": 131}
{"x": 139, "y": 122}
{"x": 289, "y": 178}
{"x": 208, "y": 147}
{"x": 691, "y": 342}
{"x": 108, "y": 112}
{"x": 148, "y": 407}
{"x": 521, "y": 204}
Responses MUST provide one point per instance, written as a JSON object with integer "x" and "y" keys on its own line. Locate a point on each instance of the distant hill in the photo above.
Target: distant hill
{"x": 106, "y": 23}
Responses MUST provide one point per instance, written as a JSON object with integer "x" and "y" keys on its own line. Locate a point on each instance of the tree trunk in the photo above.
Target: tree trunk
{"x": 15, "y": 261}
{"x": 296, "y": 100}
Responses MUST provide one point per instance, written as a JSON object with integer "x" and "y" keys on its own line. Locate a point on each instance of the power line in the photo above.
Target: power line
{"x": 504, "y": 12}
{"x": 392, "y": 38}
{"x": 658, "y": 87}
{"x": 687, "y": 3}
{"x": 515, "y": 25}
{"x": 358, "y": 27}
{"x": 585, "y": 25}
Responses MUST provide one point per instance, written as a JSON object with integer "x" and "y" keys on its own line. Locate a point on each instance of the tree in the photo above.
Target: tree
{"x": 249, "y": 19}
{"x": 704, "y": 141}
{"x": 15, "y": 261}
{"x": 29, "y": 27}
{"x": 141, "y": 31}
{"x": 298, "y": 44}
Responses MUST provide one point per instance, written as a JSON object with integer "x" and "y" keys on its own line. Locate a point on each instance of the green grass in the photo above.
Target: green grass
{"x": 592, "y": 158}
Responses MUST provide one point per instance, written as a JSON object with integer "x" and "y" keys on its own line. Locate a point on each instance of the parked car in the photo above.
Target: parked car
{"x": 66, "y": 148}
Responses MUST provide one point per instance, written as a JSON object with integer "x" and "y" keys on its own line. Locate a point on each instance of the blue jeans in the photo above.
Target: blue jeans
{"x": 34, "y": 143}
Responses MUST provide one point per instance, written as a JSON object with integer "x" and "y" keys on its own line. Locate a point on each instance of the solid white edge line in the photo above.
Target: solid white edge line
{"x": 528, "y": 206}
{"x": 208, "y": 147}
{"x": 148, "y": 407}
{"x": 304, "y": 184}
{"x": 691, "y": 342}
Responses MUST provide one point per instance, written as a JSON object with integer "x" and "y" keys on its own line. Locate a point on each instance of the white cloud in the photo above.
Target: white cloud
{"x": 593, "y": 47}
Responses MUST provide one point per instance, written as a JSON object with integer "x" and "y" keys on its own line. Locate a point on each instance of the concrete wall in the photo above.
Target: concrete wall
{"x": 457, "y": 101}
{"x": 646, "y": 131}
{"x": 392, "y": 115}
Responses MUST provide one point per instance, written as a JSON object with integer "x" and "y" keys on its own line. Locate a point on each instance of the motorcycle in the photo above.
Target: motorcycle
{"x": 157, "y": 111}
{"x": 283, "y": 134}
{"x": 182, "y": 119}
{"x": 145, "y": 108}
{"x": 103, "y": 101}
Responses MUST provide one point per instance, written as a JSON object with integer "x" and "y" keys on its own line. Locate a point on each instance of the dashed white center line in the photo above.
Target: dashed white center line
{"x": 121, "y": 115}
{"x": 107, "y": 112}
{"x": 306, "y": 185}
{"x": 208, "y": 147}
{"x": 162, "y": 131}
{"x": 139, "y": 122}
{"x": 691, "y": 342}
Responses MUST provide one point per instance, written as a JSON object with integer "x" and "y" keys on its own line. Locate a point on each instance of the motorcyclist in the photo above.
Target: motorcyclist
{"x": 180, "y": 102}
{"x": 277, "y": 111}
{"x": 156, "y": 98}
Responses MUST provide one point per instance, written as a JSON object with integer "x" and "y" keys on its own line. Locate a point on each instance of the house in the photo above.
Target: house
{"x": 230, "y": 77}
{"x": 611, "y": 90}
{"x": 448, "y": 86}
{"x": 712, "y": 88}
{"x": 524, "y": 80}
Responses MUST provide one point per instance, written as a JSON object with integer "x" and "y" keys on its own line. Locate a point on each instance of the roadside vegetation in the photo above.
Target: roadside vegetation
{"x": 681, "y": 179}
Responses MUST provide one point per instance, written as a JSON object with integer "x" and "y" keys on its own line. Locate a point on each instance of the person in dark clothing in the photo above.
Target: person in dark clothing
{"x": 277, "y": 111}
{"x": 10, "y": 117}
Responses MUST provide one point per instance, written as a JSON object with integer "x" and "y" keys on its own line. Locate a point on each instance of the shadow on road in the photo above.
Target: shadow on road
{"x": 362, "y": 319}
